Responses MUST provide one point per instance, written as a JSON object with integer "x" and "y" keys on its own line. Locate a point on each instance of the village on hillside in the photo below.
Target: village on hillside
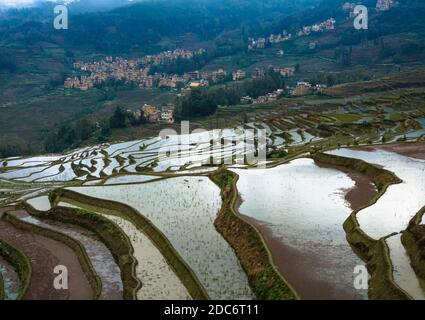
{"x": 129, "y": 71}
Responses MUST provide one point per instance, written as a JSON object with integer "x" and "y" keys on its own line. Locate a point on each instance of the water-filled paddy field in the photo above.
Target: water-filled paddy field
{"x": 99, "y": 255}
{"x": 301, "y": 207}
{"x": 393, "y": 211}
{"x": 10, "y": 280}
{"x": 159, "y": 282}
{"x": 400, "y": 202}
{"x": 184, "y": 209}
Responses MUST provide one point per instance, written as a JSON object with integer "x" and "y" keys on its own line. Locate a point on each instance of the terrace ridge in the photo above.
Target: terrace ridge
{"x": 176, "y": 262}
{"x": 249, "y": 245}
{"x": 75, "y": 245}
{"x": 375, "y": 253}
{"x": 21, "y": 264}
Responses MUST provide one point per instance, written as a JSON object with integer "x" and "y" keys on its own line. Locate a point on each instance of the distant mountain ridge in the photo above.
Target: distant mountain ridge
{"x": 75, "y": 5}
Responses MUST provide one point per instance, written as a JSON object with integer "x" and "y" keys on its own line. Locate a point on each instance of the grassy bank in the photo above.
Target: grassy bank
{"x": 266, "y": 282}
{"x": 182, "y": 270}
{"x": 21, "y": 264}
{"x": 413, "y": 240}
{"x": 110, "y": 234}
{"x": 374, "y": 253}
{"x": 76, "y": 246}
{"x": 2, "y": 294}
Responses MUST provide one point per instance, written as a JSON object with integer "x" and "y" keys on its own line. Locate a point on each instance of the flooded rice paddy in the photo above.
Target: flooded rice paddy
{"x": 401, "y": 202}
{"x": 10, "y": 280}
{"x": 303, "y": 207}
{"x": 159, "y": 282}
{"x": 184, "y": 209}
{"x": 394, "y": 210}
{"x": 170, "y": 153}
{"x": 99, "y": 255}
{"x": 298, "y": 207}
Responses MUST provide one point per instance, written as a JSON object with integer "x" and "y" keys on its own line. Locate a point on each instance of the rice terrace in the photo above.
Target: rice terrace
{"x": 226, "y": 178}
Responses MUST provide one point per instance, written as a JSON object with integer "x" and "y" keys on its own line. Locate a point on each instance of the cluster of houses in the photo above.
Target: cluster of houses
{"x": 85, "y": 82}
{"x": 349, "y": 7}
{"x": 301, "y": 89}
{"x": 381, "y": 5}
{"x": 235, "y": 76}
{"x": 284, "y": 72}
{"x": 328, "y": 24}
{"x": 261, "y": 43}
{"x": 109, "y": 68}
{"x": 164, "y": 114}
{"x": 138, "y": 72}
{"x": 384, "y": 5}
{"x": 170, "y": 56}
{"x": 305, "y": 88}
{"x": 131, "y": 71}
{"x": 272, "y": 96}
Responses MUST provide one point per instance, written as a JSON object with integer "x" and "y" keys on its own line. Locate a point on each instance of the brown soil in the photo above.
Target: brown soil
{"x": 408, "y": 149}
{"x": 412, "y": 149}
{"x": 97, "y": 252}
{"x": 298, "y": 268}
{"x": 363, "y": 191}
{"x": 44, "y": 255}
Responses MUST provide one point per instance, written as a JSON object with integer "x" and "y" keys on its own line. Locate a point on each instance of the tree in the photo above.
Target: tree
{"x": 84, "y": 128}
{"x": 118, "y": 119}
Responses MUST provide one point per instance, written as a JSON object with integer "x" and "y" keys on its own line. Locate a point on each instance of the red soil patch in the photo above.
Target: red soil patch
{"x": 299, "y": 269}
{"x": 412, "y": 149}
{"x": 363, "y": 191}
{"x": 408, "y": 149}
{"x": 44, "y": 255}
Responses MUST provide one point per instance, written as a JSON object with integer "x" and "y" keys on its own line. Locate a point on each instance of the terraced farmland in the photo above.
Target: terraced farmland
{"x": 156, "y": 219}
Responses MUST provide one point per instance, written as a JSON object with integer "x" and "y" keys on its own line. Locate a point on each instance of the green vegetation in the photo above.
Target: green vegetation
{"x": 2, "y": 293}
{"x": 34, "y": 61}
{"x": 397, "y": 116}
{"x": 69, "y": 135}
{"x": 21, "y": 264}
{"x": 265, "y": 280}
{"x": 380, "y": 177}
{"x": 346, "y": 117}
{"x": 277, "y": 154}
{"x": 413, "y": 240}
{"x": 381, "y": 283}
{"x": 7, "y": 62}
{"x": 204, "y": 102}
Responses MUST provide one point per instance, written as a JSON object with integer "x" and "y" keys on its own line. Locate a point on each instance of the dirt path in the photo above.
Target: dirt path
{"x": 44, "y": 255}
